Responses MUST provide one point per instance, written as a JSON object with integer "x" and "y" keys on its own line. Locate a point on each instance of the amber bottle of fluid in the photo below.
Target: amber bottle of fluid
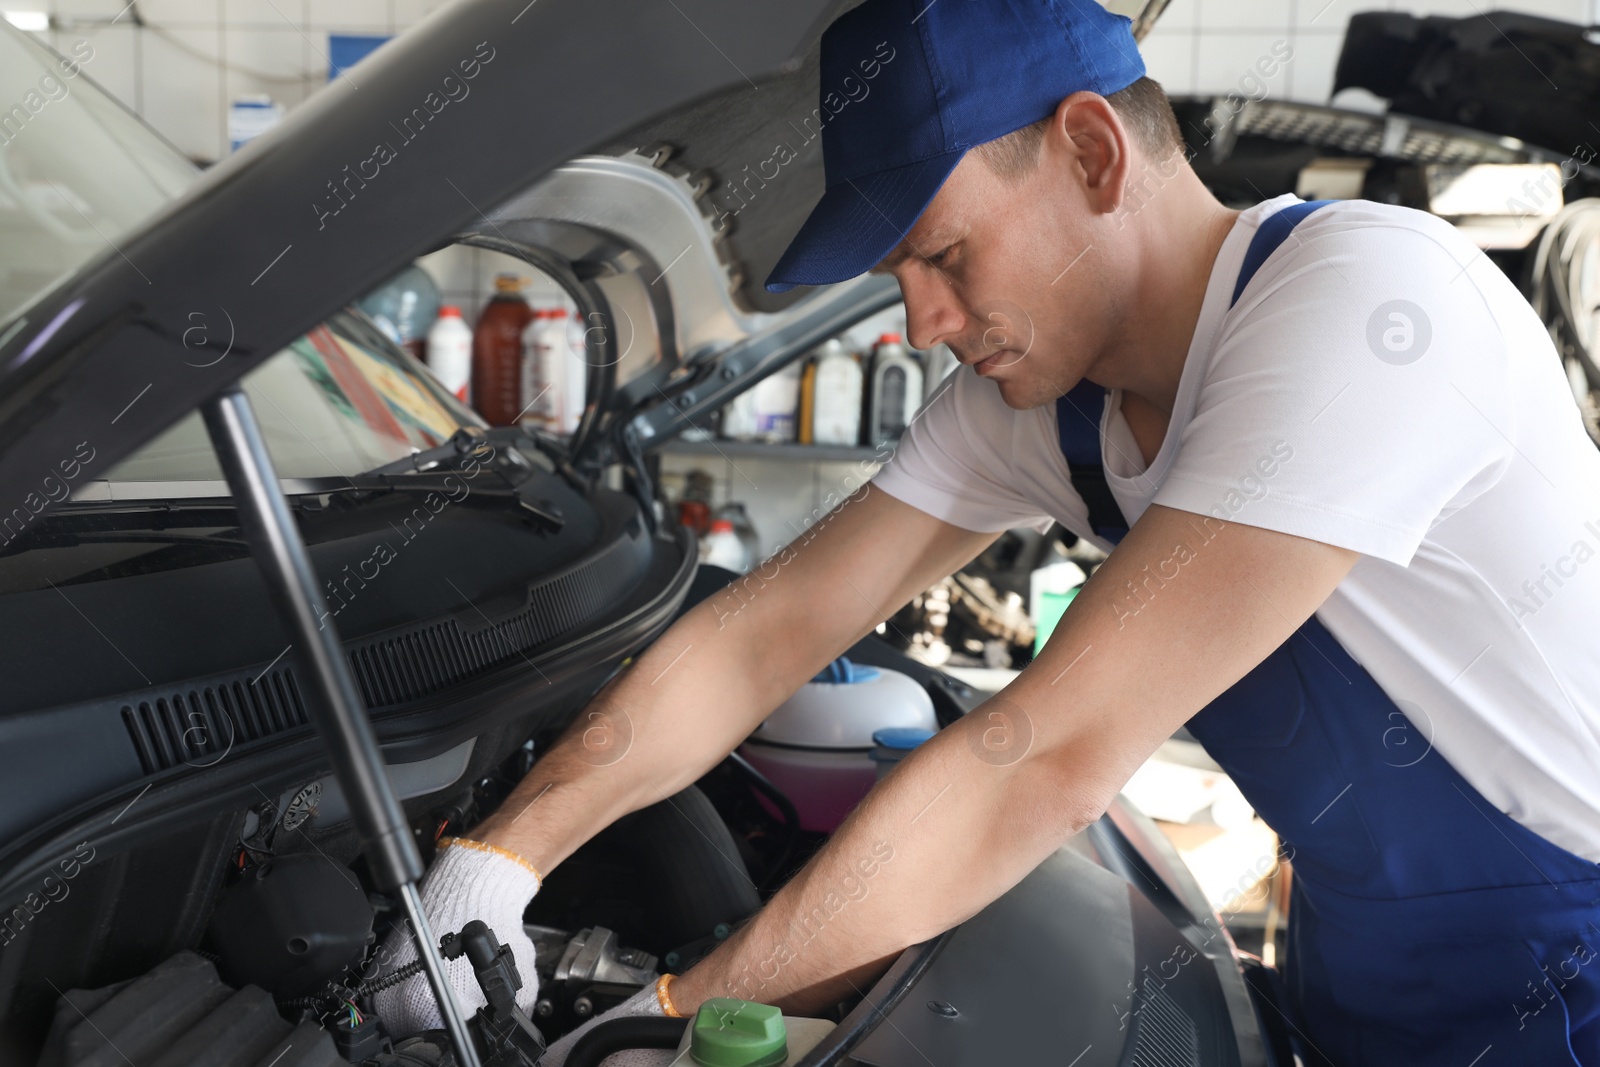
{"x": 497, "y": 352}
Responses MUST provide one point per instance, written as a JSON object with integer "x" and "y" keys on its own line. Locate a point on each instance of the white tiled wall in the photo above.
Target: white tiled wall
{"x": 179, "y": 62}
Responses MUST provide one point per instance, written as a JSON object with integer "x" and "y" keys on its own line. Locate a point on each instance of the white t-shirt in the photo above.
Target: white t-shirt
{"x": 1383, "y": 387}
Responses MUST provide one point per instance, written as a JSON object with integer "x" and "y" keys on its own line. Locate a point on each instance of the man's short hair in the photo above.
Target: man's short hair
{"x": 1143, "y": 107}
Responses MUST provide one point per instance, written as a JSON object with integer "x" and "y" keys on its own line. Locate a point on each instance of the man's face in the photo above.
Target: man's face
{"x": 1006, "y": 273}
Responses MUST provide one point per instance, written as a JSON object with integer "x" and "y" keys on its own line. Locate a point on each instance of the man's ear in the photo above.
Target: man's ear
{"x": 1091, "y": 134}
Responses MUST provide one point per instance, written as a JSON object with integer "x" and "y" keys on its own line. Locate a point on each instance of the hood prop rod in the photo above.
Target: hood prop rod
{"x": 333, "y": 704}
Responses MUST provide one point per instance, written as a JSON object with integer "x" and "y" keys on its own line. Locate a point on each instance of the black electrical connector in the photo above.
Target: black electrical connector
{"x": 360, "y": 1042}
{"x": 505, "y": 1032}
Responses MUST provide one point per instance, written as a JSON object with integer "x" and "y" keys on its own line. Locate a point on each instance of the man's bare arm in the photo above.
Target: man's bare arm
{"x": 722, "y": 668}
{"x": 1183, "y": 608}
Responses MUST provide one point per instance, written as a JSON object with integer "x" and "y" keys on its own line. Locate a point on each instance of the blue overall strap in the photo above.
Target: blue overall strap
{"x": 1078, "y": 412}
{"x": 1078, "y": 428}
{"x": 1269, "y": 235}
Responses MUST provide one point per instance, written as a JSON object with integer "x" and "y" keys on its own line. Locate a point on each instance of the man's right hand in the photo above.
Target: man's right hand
{"x": 468, "y": 880}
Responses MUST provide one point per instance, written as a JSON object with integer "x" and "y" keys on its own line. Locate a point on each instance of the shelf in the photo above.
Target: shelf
{"x": 767, "y": 450}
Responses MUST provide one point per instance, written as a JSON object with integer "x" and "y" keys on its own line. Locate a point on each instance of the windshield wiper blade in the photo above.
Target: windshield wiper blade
{"x": 461, "y": 488}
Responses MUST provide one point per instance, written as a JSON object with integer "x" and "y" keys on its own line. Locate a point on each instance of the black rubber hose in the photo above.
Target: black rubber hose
{"x": 791, "y": 815}
{"x": 620, "y": 1035}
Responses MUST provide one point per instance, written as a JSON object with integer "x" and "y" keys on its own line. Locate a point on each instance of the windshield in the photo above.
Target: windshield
{"x": 77, "y": 172}
{"x": 337, "y": 402}
{"x": 77, "y": 169}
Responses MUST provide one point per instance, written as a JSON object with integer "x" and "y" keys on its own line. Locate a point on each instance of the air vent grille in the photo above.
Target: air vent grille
{"x": 403, "y": 667}
{"x": 1164, "y": 1034}
{"x": 202, "y": 725}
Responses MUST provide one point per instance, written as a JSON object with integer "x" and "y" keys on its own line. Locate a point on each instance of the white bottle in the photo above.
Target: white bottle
{"x": 450, "y": 353}
{"x": 896, "y": 391}
{"x": 724, "y": 549}
{"x": 776, "y": 398}
{"x": 552, "y": 374}
{"x": 739, "y": 417}
{"x": 836, "y": 396}
{"x": 577, "y": 370}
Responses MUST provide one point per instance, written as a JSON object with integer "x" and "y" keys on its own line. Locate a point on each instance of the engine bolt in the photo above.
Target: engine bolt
{"x": 583, "y": 1007}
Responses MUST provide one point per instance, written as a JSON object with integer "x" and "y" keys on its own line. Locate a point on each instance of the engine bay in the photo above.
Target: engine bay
{"x": 292, "y": 938}
{"x": 293, "y": 951}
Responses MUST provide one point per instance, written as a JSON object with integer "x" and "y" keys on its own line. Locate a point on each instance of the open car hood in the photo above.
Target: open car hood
{"x": 261, "y": 249}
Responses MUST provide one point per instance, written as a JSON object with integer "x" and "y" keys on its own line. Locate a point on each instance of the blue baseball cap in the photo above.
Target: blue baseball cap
{"x": 945, "y": 75}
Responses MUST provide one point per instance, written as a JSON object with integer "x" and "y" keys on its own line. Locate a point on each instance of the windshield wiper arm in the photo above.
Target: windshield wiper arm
{"x": 500, "y": 491}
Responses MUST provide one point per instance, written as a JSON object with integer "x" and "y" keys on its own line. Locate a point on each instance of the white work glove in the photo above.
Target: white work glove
{"x": 644, "y": 1002}
{"x": 468, "y": 880}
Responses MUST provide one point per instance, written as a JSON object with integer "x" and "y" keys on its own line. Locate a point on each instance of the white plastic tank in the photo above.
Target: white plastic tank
{"x": 739, "y": 417}
{"x": 817, "y": 746}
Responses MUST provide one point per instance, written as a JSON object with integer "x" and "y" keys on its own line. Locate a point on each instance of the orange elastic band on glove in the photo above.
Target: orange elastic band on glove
{"x": 664, "y": 998}
{"x": 482, "y": 846}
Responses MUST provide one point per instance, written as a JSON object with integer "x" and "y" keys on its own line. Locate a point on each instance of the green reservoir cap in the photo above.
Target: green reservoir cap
{"x": 738, "y": 1033}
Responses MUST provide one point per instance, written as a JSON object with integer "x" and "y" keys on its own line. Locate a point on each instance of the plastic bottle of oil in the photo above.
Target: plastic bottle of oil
{"x": 497, "y": 352}
{"x": 895, "y": 393}
{"x": 450, "y": 352}
{"x": 831, "y": 397}
{"x": 805, "y": 415}
{"x": 553, "y": 374}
